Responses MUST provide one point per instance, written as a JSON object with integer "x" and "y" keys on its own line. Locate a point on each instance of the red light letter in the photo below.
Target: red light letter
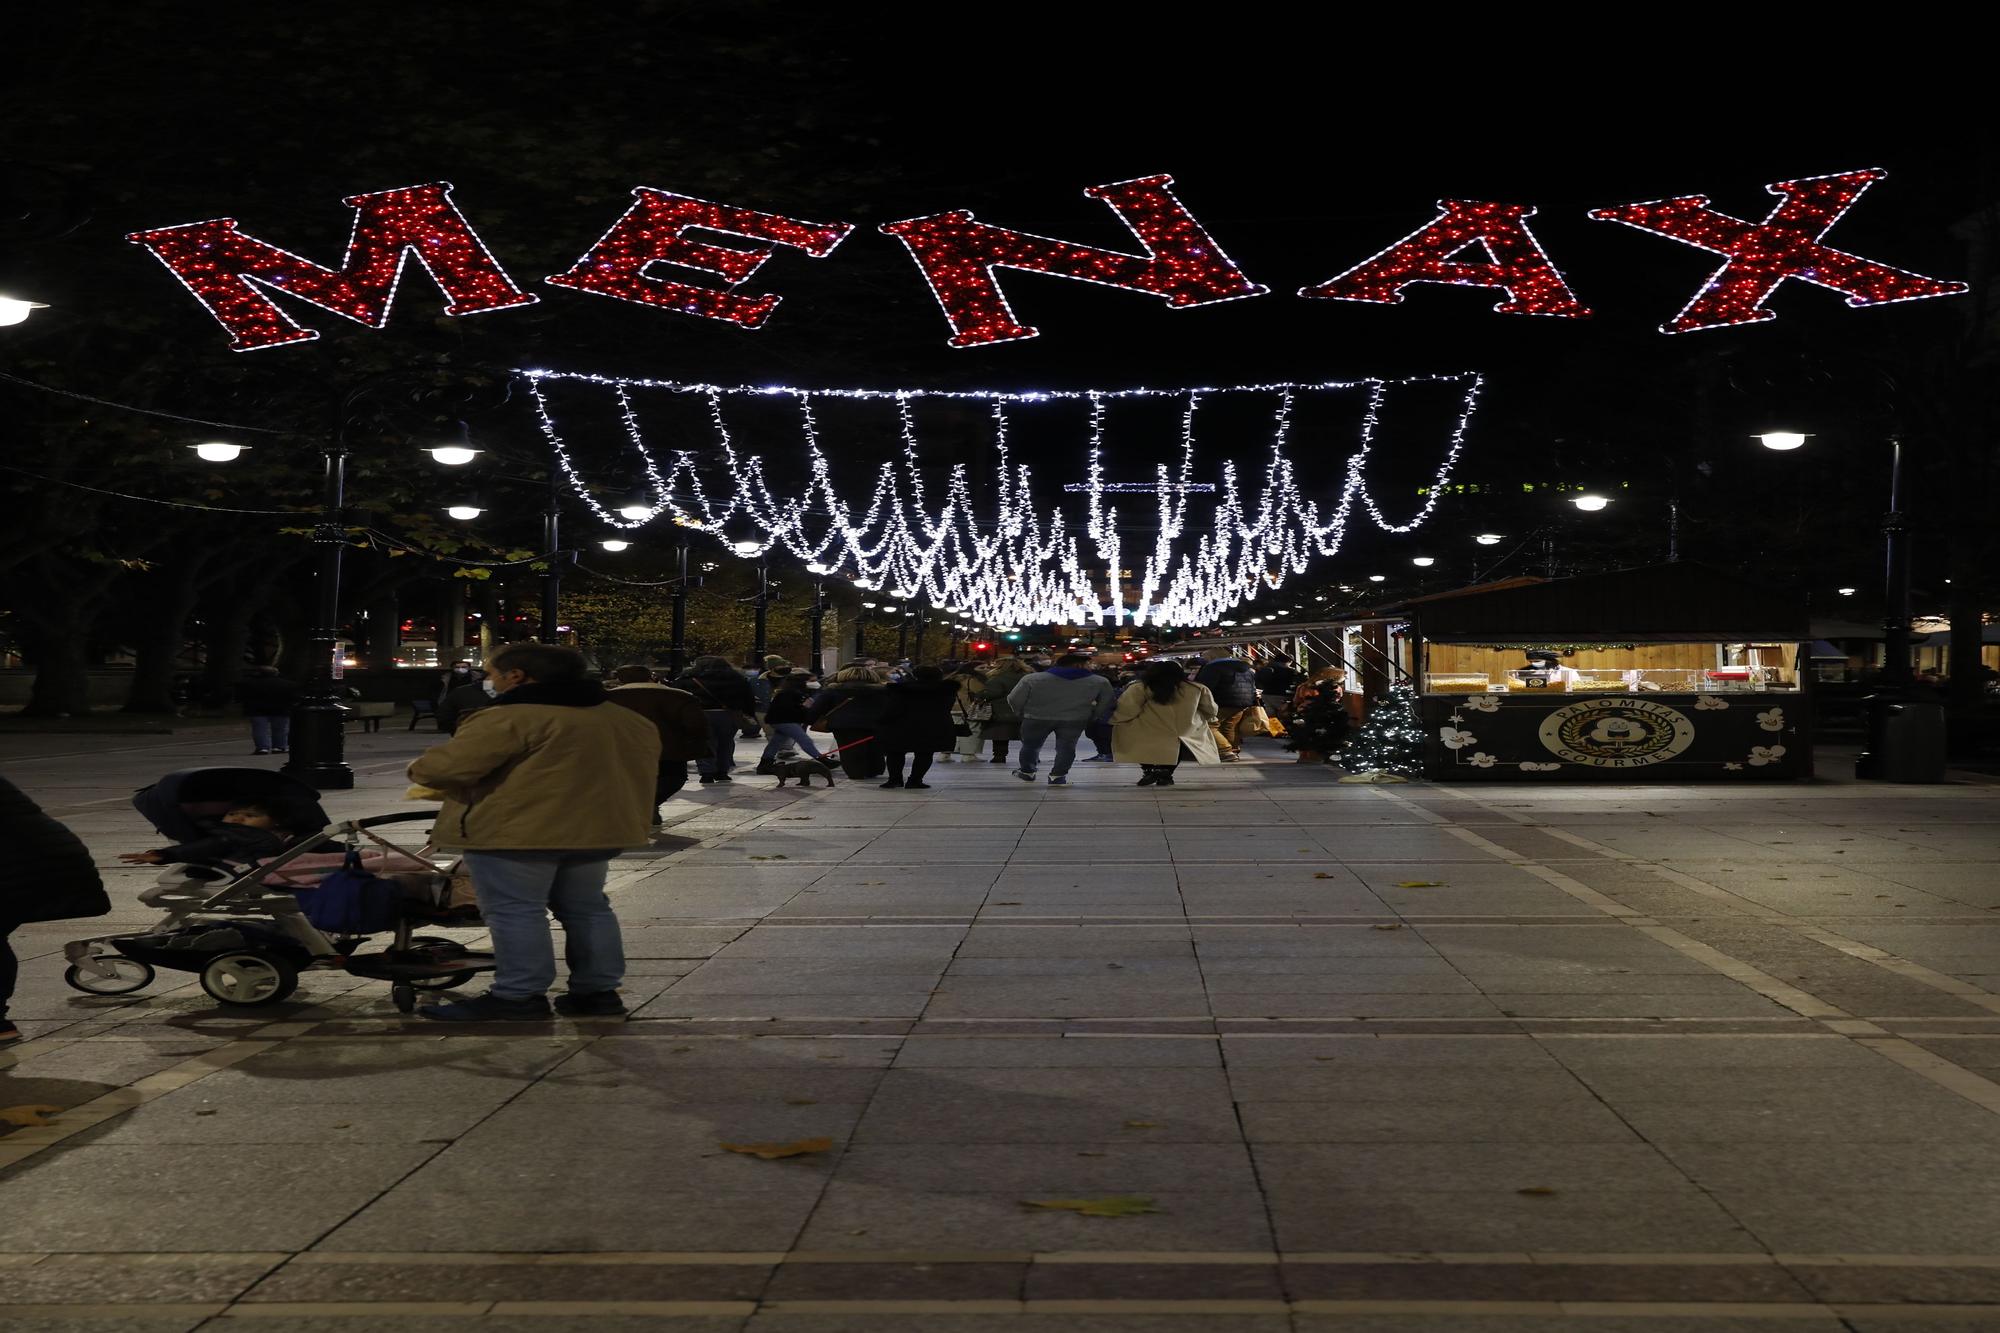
{"x": 1517, "y": 264}
{"x": 958, "y": 256}
{"x": 650, "y": 233}
{"x": 1784, "y": 245}
{"x": 218, "y": 264}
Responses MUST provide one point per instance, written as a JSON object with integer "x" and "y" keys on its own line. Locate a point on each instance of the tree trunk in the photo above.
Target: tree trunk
{"x": 57, "y": 643}
{"x": 451, "y": 621}
{"x": 383, "y": 633}
{"x": 162, "y": 636}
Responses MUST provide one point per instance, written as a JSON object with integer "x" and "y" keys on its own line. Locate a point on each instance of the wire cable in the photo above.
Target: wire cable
{"x": 143, "y": 411}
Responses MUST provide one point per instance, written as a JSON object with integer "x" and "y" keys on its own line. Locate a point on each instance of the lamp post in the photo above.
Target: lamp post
{"x": 552, "y": 543}
{"x": 318, "y": 739}
{"x": 677, "y": 650}
{"x": 861, "y": 629}
{"x": 816, "y": 618}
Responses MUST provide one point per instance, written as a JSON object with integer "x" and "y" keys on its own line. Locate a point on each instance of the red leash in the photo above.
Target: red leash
{"x": 827, "y": 754}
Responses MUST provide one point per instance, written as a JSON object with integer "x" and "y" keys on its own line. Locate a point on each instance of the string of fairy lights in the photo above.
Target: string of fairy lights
{"x": 1010, "y": 562}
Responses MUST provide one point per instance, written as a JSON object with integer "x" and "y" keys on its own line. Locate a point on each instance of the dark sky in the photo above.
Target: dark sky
{"x": 1303, "y": 144}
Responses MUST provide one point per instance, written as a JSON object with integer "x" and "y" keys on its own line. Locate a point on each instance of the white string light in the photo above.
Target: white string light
{"x": 1015, "y": 564}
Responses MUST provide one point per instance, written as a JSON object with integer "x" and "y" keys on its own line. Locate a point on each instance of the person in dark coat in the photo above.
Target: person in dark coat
{"x": 47, "y": 875}
{"x": 680, "y": 719}
{"x": 917, "y": 723}
{"x": 461, "y": 703}
{"x": 1233, "y": 682}
{"x": 725, "y": 695}
{"x": 851, "y": 707}
{"x": 267, "y": 699}
{"x": 786, "y": 720}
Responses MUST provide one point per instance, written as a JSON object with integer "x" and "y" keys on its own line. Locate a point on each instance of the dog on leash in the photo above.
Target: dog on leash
{"x": 792, "y": 764}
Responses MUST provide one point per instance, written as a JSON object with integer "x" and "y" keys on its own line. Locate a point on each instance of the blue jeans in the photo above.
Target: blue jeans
{"x": 518, "y": 890}
{"x": 722, "y": 728}
{"x": 271, "y": 733}
{"x": 1035, "y": 730}
{"x": 794, "y": 732}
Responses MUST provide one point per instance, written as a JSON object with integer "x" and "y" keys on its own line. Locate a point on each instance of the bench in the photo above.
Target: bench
{"x": 370, "y": 715}
{"x": 419, "y": 710}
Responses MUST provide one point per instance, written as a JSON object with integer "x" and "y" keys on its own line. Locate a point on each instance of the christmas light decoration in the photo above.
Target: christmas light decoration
{"x": 1005, "y": 562}
{"x": 651, "y": 232}
{"x": 1517, "y": 263}
{"x": 219, "y": 264}
{"x": 1392, "y": 739}
{"x": 1786, "y": 244}
{"x": 958, "y": 254}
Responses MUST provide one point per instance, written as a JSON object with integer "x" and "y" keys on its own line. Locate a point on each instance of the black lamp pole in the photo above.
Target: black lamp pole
{"x": 816, "y": 615}
{"x": 923, "y": 625}
{"x": 760, "y": 642}
{"x": 1896, "y": 593}
{"x": 318, "y": 740}
{"x": 861, "y": 632}
{"x": 677, "y": 650}
{"x": 903, "y": 637}
{"x": 552, "y": 543}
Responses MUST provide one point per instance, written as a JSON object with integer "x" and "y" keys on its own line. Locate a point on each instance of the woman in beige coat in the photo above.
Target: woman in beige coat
{"x": 1162, "y": 719}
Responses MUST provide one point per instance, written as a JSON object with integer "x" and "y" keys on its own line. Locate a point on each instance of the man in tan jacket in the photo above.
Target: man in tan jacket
{"x": 541, "y": 791}
{"x": 676, "y": 715}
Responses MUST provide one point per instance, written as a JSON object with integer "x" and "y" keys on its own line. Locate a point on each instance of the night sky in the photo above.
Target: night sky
{"x": 1304, "y": 146}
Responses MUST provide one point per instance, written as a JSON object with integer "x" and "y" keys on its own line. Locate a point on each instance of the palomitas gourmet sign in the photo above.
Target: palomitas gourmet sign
{"x": 1470, "y": 243}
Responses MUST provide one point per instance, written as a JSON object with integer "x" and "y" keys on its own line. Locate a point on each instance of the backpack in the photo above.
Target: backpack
{"x": 350, "y": 901}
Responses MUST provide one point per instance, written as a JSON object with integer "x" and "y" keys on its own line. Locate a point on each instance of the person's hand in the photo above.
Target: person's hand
{"x": 142, "y": 858}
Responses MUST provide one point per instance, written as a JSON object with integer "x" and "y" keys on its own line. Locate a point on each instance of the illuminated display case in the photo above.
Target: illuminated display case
{"x": 1457, "y": 682}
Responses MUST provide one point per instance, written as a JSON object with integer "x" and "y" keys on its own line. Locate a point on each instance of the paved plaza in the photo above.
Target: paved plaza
{"x": 1256, "y": 1053}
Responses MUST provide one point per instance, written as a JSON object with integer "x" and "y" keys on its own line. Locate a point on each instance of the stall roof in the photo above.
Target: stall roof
{"x": 1676, "y": 603}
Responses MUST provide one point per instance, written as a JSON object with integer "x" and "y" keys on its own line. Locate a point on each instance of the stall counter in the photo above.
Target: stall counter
{"x": 1653, "y": 737}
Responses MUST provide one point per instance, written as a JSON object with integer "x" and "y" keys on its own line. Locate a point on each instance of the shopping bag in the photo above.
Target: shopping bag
{"x": 1273, "y": 727}
{"x": 350, "y": 901}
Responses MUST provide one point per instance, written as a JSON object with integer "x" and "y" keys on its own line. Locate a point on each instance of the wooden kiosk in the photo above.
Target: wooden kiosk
{"x": 1670, "y": 673}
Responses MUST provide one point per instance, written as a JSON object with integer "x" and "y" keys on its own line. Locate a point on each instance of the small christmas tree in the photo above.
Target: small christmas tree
{"x": 1391, "y": 740}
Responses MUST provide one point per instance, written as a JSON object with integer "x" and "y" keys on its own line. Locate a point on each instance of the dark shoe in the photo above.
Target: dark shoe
{"x": 281, "y": 749}
{"x": 999, "y": 758}
{"x": 892, "y": 783}
{"x": 1231, "y": 756}
{"x": 1149, "y": 780}
{"x": 1059, "y": 781}
{"x": 1025, "y": 774}
{"x": 1101, "y": 757}
{"x": 706, "y": 780}
{"x": 260, "y": 752}
{"x": 591, "y": 1004}
{"x": 489, "y": 1008}
{"x": 917, "y": 786}
{"x": 724, "y": 777}
{"x": 1166, "y": 781}
{"x": 765, "y": 769}
{"x": 9, "y": 1034}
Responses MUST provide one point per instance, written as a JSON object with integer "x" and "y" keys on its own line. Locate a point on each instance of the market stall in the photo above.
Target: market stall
{"x": 1671, "y": 673}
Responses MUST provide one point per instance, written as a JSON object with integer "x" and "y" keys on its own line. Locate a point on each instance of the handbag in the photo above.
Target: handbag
{"x": 822, "y": 722}
{"x": 351, "y": 901}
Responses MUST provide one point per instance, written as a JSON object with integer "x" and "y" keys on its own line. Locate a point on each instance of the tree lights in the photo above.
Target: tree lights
{"x": 957, "y": 255}
{"x": 1004, "y": 560}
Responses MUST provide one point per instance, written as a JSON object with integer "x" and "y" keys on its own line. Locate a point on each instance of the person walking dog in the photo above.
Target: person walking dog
{"x": 541, "y": 791}
{"x": 1161, "y": 719}
{"x": 1062, "y": 701}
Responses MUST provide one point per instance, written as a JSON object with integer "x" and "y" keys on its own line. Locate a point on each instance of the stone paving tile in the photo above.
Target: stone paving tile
{"x": 775, "y": 1322}
{"x": 1029, "y": 1105}
{"x": 1575, "y": 1119}
{"x": 1064, "y": 1169}
{"x": 868, "y": 1217}
{"x": 1681, "y": 1221}
{"x": 1057, "y": 1052}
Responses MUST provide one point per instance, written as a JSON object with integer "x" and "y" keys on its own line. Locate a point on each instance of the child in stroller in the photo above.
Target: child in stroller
{"x": 247, "y": 840}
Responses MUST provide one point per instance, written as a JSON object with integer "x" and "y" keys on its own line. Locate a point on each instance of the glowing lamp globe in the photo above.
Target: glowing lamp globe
{"x": 1782, "y": 440}
{"x": 815, "y": 567}
{"x": 13, "y": 311}
{"x": 615, "y": 545}
{"x": 1846, "y": 592}
{"x": 464, "y": 513}
{"x": 215, "y": 451}
{"x": 1590, "y": 504}
{"x": 1423, "y": 561}
{"x": 453, "y": 455}
{"x": 1489, "y": 539}
{"x": 746, "y": 549}
{"x": 635, "y": 513}
{"x": 1378, "y": 578}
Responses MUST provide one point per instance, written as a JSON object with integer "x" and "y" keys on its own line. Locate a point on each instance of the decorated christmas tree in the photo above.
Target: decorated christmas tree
{"x": 1391, "y": 741}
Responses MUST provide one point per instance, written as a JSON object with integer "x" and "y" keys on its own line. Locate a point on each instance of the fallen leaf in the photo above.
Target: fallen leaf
{"x": 28, "y": 1117}
{"x": 1142, "y": 1124}
{"x": 342, "y": 1125}
{"x": 776, "y": 856}
{"x": 1537, "y": 1190}
{"x": 679, "y": 1050}
{"x": 211, "y": 1110}
{"x": 771, "y": 1152}
{"x": 800, "y": 1101}
{"x": 1093, "y": 1154}
{"x": 1387, "y": 927}
{"x": 1119, "y": 966}
{"x": 1322, "y": 874}
{"x": 1420, "y": 884}
{"x": 1113, "y": 1205}
{"x": 1007, "y": 904}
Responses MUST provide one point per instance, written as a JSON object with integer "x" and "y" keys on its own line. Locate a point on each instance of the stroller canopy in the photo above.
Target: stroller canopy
{"x": 176, "y": 801}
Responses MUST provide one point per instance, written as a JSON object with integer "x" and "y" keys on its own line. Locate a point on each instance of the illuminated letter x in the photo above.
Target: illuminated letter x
{"x": 1784, "y": 245}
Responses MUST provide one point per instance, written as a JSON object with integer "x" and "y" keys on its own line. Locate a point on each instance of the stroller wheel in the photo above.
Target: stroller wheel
{"x": 247, "y": 977}
{"x": 405, "y": 998}
{"x": 127, "y": 975}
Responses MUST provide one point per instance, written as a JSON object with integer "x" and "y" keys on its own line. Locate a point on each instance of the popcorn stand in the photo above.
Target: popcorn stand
{"x": 1672, "y": 673}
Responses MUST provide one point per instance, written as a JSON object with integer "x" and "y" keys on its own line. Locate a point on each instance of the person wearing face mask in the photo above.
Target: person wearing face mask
{"x": 462, "y": 702}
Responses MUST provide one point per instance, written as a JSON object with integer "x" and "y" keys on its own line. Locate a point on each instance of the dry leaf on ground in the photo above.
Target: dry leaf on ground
{"x": 1392, "y": 926}
{"x": 1420, "y": 884}
{"x": 1113, "y": 1205}
{"x": 28, "y": 1117}
{"x": 1142, "y": 1124}
{"x": 770, "y": 1152}
{"x": 1538, "y": 1190}
{"x": 1322, "y": 874}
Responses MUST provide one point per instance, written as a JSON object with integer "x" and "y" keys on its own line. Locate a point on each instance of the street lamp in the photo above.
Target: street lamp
{"x": 614, "y": 544}
{"x": 1489, "y": 539}
{"x": 452, "y": 455}
{"x": 217, "y": 451}
{"x": 1378, "y": 578}
{"x": 463, "y": 513}
{"x": 1782, "y": 440}
{"x": 1589, "y": 504}
{"x": 1846, "y": 592}
{"x": 14, "y": 311}
{"x": 1423, "y": 561}
{"x": 635, "y": 513}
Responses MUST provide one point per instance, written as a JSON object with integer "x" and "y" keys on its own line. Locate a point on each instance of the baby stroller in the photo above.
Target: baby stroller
{"x": 247, "y": 940}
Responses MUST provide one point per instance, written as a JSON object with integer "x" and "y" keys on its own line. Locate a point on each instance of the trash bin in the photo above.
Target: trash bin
{"x": 1906, "y": 740}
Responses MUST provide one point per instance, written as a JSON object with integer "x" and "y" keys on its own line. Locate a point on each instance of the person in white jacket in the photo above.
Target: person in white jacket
{"x": 1061, "y": 700}
{"x": 1162, "y": 719}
